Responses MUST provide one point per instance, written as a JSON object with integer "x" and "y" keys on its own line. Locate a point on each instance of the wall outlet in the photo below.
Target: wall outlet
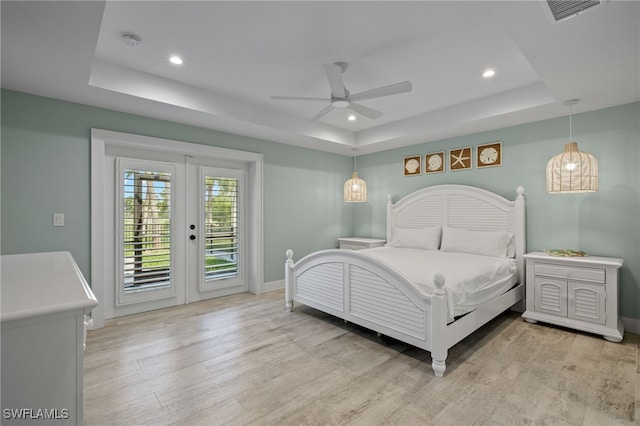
{"x": 58, "y": 219}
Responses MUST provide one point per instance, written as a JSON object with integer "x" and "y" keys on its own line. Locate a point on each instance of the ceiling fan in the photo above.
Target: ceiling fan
{"x": 341, "y": 98}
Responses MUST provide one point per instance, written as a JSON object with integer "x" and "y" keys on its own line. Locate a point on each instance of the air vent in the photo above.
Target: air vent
{"x": 564, "y": 9}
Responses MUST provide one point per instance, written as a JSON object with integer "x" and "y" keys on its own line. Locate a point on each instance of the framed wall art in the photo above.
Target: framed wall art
{"x": 434, "y": 162}
{"x": 489, "y": 155}
{"x": 460, "y": 159}
{"x": 412, "y": 165}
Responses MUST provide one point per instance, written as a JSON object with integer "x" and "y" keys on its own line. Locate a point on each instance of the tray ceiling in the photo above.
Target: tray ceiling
{"x": 238, "y": 54}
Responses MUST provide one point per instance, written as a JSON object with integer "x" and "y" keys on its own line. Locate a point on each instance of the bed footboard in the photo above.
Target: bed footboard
{"x": 363, "y": 291}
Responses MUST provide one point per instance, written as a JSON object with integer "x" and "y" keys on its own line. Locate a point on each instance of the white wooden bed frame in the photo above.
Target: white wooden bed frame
{"x": 361, "y": 290}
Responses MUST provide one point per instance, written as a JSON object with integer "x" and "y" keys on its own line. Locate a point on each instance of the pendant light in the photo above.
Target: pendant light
{"x": 355, "y": 189}
{"x": 572, "y": 171}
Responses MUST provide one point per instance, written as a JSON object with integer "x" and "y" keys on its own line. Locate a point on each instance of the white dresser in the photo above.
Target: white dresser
{"x": 44, "y": 301}
{"x": 576, "y": 292}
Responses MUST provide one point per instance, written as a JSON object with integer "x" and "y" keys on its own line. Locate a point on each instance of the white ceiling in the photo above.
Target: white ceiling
{"x": 238, "y": 54}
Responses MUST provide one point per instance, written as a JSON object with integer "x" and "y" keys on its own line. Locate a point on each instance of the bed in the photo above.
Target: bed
{"x": 431, "y": 305}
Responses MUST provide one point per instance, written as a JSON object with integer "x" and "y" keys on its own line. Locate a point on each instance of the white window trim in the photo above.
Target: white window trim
{"x": 102, "y": 139}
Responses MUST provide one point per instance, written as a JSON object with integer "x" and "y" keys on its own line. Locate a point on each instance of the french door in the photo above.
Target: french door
{"x": 171, "y": 223}
{"x": 179, "y": 233}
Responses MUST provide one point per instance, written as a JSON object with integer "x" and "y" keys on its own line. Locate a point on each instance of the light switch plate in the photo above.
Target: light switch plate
{"x": 58, "y": 219}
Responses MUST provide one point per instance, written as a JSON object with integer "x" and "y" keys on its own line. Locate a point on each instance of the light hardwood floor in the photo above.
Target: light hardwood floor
{"x": 244, "y": 360}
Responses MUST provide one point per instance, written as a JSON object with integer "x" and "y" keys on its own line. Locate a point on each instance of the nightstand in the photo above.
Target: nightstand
{"x": 575, "y": 292}
{"x": 358, "y": 243}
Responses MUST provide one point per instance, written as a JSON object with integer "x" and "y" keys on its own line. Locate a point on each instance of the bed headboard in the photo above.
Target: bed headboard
{"x": 461, "y": 206}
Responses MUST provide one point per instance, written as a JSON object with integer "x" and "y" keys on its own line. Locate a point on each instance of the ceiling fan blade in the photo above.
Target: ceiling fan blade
{"x": 391, "y": 89}
{"x": 366, "y": 111}
{"x": 334, "y": 75}
{"x": 297, "y": 98}
{"x": 323, "y": 112}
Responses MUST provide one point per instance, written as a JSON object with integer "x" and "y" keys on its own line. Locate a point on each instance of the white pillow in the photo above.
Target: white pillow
{"x": 487, "y": 243}
{"x": 419, "y": 238}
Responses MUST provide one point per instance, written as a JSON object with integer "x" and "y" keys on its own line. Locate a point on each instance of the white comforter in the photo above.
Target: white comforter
{"x": 470, "y": 279}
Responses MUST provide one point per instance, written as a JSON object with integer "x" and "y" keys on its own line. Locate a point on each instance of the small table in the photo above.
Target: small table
{"x": 359, "y": 243}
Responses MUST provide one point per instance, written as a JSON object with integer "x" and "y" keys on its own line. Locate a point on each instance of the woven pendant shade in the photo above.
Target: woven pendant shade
{"x": 572, "y": 171}
{"x": 355, "y": 189}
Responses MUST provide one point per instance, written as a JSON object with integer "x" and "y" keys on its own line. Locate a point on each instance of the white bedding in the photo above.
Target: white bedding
{"x": 471, "y": 279}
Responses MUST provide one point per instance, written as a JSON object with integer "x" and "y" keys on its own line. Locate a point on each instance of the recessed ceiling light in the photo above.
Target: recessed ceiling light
{"x": 175, "y": 59}
{"x": 488, "y": 73}
{"x": 351, "y": 118}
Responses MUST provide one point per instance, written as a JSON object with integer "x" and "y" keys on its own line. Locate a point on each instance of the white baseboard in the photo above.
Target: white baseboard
{"x": 273, "y": 286}
{"x": 632, "y": 325}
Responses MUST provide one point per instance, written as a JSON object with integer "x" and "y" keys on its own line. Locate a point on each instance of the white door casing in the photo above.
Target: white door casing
{"x": 190, "y": 160}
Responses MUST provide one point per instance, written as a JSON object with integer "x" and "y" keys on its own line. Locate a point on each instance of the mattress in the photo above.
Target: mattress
{"x": 470, "y": 279}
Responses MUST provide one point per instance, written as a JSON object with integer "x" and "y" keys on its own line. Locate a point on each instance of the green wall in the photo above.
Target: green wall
{"x": 605, "y": 223}
{"x": 45, "y": 169}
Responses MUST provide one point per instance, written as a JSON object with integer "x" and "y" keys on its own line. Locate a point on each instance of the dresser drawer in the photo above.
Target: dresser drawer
{"x": 595, "y": 275}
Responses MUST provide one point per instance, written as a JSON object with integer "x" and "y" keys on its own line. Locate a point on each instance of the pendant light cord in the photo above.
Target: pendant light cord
{"x": 570, "y": 123}
{"x": 570, "y": 103}
{"x": 355, "y": 159}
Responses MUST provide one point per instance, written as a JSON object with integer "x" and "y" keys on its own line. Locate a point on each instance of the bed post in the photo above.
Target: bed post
{"x": 520, "y": 230}
{"x": 389, "y": 219}
{"x": 438, "y": 326}
{"x": 521, "y": 243}
{"x": 288, "y": 281}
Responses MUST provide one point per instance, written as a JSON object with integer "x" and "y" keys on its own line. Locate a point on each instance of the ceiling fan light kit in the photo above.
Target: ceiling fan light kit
{"x": 341, "y": 98}
{"x": 339, "y": 102}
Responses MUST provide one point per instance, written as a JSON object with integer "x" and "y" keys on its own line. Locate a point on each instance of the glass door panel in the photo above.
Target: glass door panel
{"x": 222, "y": 225}
{"x": 145, "y": 231}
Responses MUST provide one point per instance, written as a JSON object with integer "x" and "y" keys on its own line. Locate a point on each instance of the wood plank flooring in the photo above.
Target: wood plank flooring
{"x": 243, "y": 359}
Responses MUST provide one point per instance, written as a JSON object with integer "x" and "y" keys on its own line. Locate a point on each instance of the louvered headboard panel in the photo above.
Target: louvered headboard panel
{"x": 420, "y": 213}
{"x": 475, "y": 213}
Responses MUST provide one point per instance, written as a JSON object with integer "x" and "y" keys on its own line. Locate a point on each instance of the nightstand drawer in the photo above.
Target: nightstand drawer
{"x": 572, "y": 273}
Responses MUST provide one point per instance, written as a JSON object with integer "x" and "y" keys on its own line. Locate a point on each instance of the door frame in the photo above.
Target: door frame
{"x": 103, "y": 139}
